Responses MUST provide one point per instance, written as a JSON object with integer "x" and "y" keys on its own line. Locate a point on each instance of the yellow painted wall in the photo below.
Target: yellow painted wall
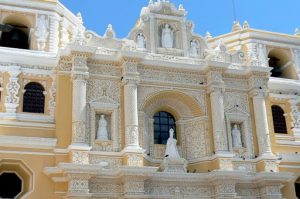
{"x": 64, "y": 111}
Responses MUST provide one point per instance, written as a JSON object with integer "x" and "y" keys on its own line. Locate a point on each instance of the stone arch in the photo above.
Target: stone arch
{"x": 180, "y": 104}
{"x": 20, "y": 26}
{"x": 281, "y": 62}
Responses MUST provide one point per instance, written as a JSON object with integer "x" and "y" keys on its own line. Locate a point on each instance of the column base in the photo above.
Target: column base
{"x": 133, "y": 156}
{"x": 173, "y": 165}
{"x": 79, "y": 153}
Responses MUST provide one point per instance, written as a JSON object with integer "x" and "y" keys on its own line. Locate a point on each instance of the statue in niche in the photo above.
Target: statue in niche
{"x": 102, "y": 129}
{"x": 236, "y": 137}
{"x": 140, "y": 41}
{"x": 194, "y": 48}
{"x": 167, "y": 37}
{"x": 41, "y": 32}
{"x": 171, "y": 148}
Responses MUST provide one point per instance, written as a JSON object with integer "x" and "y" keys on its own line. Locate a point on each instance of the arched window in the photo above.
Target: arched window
{"x": 14, "y": 37}
{"x": 10, "y": 185}
{"x": 297, "y": 189}
{"x": 163, "y": 122}
{"x": 34, "y": 99}
{"x": 279, "y": 120}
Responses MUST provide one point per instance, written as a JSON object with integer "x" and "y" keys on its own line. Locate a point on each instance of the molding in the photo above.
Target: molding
{"x": 27, "y": 142}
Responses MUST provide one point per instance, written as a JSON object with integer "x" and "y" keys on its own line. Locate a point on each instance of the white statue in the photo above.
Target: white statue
{"x": 41, "y": 32}
{"x": 102, "y": 129}
{"x": 194, "y": 48}
{"x": 236, "y": 137}
{"x": 140, "y": 41}
{"x": 167, "y": 37}
{"x": 171, "y": 148}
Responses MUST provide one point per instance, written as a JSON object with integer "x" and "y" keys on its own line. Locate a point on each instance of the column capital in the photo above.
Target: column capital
{"x": 79, "y": 76}
{"x": 258, "y": 93}
{"x": 130, "y": 80}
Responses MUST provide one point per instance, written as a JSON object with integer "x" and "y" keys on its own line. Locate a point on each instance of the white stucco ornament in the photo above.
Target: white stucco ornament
{"x": 140, "y": 41}
{"x": 194, "y": 48}
{"x": 167, "y": 37}
{"x": 42, "y": 32}
{"x": 236, "y": 137}
{"x": 102, "y": 129}
{"x": 171, "y": 148}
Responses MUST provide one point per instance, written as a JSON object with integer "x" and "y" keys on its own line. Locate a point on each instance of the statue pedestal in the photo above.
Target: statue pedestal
{"x": 173, "y": 165}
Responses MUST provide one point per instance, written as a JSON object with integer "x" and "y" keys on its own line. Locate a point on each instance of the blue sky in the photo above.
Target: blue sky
{"x": 215, "y": 16}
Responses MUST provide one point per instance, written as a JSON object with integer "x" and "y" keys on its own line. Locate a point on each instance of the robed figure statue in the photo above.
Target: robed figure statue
{"x": 167, "y": 37}
{"x": 171, "y": 148}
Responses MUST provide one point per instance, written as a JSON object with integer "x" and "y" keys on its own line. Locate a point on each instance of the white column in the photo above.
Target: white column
{"x": 261, "y": 121}
{"x": 152, "y": 34}
{"x": 12, "y": 98}
{"x": 185, "y": 42}
{"x": 131, "y": 114}
{"x": 64, "y": 34}
{"x": 218, "y": 121}
{"x": 54, "y": 34}
{"x": 79, "y": 136}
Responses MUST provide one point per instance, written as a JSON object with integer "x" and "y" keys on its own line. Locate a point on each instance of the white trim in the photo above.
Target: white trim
{"x": 27, "y": 142}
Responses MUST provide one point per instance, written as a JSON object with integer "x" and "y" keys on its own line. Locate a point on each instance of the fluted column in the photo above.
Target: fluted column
{"x": 12, "y": 98}
{"x": 152, "y": 34}
{"x": 132, "y": 151}
{"x": 54, "y": 34}
{"x": 261, "y": 121}
{"x": 131, "y": 114}
{"x": 79, "y": 108}
{"x": 218, "y": 116}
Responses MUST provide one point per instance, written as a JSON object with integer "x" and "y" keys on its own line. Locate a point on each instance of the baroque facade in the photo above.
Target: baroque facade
{"x": 87, "y": 116}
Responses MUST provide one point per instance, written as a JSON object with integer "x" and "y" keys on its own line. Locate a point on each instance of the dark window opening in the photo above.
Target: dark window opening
{"x": 297, "y": 188}
{"x": 274, "y": 63}
{"x": 163, "y": 122}
{"x": 10, "y": 185}
{"x": 34, "y": 99}
{"x": 14, "y": 37}
{"x": 279, "y": 120}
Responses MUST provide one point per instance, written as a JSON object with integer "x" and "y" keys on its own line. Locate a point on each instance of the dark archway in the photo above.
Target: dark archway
{"x": 15, "y": 37}
{"x": 10, "y": 185}
{"x": 279, "y": 122}
{"x": 34, "y": 99}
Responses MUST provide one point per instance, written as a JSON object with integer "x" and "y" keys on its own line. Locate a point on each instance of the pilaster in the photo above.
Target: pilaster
{"x": 270, "y": 191}
{"x": 133, "y": 186}
{"x": 216, "y": 91}
{"x": 12, "y": 92}
{"x": 225, "y": 189}
{"x": 78, "y": 186}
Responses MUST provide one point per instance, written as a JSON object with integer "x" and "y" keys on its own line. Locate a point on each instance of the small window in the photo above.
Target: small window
{"x": 34, "y": 98}
{"x": 14, "y": 36}
{"x": 279, "y": 120}
{"x": 163, "y": 122}
{"x": 10, "y": 185}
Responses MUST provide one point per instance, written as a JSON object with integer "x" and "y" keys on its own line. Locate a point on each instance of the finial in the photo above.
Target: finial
{"x": 208, "y": 35}
{"x": 150, "y": 2}
{"x": 236, "y": 26}
{"x": 79, "y": 17}
{"x": 110, "y": 33}
{"x": 181, "y": 8}
{"x": 297, "y": 32}
{"x": 246, "y": 25}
